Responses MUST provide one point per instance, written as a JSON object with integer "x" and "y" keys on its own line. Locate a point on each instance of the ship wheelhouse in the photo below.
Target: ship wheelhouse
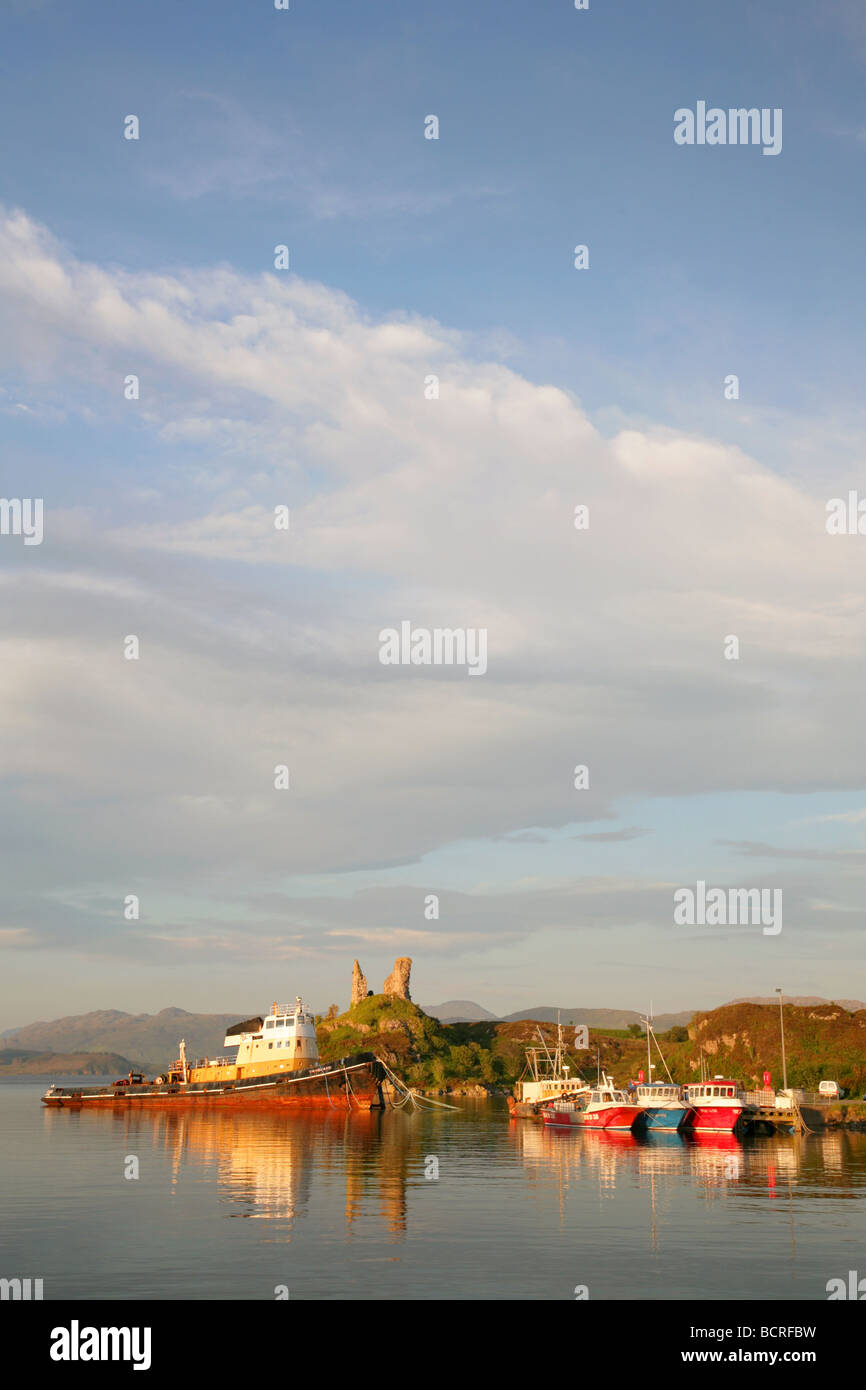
{"x": 285, "y": 1040}
{"x": 286, "y": 1036}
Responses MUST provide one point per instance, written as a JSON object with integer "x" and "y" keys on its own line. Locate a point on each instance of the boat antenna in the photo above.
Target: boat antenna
{"x": 661, "y": 1054}
{"x": 546, "y": 1049}
{"x": 649, "y": 1027}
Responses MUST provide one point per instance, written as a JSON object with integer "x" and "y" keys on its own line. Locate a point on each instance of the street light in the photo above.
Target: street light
{"x": 782, "y": 1027}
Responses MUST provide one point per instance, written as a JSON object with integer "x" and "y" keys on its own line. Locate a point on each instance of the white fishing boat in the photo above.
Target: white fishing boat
{"x": 546, "y": 1077}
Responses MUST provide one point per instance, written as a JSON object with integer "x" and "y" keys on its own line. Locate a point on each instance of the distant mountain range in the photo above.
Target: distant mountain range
{"x": 466, "y": 1011}
{"x": 151, "y": 1040}
{"x": 459, "y": 1011}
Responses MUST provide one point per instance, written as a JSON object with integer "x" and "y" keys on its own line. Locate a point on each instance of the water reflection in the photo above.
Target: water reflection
{"x": 232, "y": 1204}
{"x": 272, "y": 1167}
{"x": 715, "y": 1166}
{"x": 266, "y": 1164}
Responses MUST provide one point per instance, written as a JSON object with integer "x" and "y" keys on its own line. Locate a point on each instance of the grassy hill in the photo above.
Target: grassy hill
{"x": 596, "y": 1018}
{"x": 823, "y": 1042}
{"x": 432, "y": 1055}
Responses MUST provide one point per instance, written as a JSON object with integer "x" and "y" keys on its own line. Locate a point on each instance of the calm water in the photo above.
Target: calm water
{"x": 230, "y": 1206}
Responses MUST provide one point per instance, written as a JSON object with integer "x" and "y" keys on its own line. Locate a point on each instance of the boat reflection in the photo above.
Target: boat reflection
{"x": 648, "y": 1170}
{"x": 267, "y": 1165}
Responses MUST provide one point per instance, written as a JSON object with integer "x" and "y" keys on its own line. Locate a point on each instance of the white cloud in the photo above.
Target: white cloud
{"x": 260, "y": 647}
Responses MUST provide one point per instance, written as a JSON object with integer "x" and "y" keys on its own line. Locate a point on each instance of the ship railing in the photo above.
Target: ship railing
{"x": 798, "y": 1097}
{"x": 760, "y": 1098}
{"x": 816, "y": 1098}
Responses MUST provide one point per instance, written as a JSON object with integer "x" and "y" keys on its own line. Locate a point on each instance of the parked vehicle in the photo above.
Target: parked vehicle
{"x": 830, "y": 1090}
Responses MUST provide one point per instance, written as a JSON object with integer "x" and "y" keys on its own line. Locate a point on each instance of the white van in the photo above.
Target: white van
{"x": 830, "y": 1090}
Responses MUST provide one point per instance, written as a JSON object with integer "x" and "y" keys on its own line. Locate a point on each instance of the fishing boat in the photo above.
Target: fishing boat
{"x": 662, "y": 1105}
{"x": 599, "y": 1107}
{"x": 276, "y": 1064}
{"x": 546, "y": 1077}
{"x": 718, "y": 1105}
{"x": 660, "y": 1101}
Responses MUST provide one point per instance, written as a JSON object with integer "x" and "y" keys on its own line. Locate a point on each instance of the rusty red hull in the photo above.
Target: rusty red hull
{"x": 353, "y": 1083}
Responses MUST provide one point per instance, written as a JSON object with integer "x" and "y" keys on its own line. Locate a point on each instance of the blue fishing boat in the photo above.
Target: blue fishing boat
{"x": 660, "y": 1101}
{"x": 662, "y": 1105}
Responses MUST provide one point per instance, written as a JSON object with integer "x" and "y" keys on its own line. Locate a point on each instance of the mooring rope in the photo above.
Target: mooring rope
{"x": 408, "y": 1094}
{"x": 328, "y": 1093}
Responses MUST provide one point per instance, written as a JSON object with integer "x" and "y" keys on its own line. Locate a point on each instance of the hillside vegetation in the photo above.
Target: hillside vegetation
{"x": 823, "y": 1042}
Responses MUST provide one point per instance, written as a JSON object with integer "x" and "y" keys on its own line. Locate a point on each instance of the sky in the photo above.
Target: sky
{"x": 307, "y": 388}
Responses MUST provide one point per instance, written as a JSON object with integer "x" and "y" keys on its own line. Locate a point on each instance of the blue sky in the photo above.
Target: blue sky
{"x": 306, "y": 128}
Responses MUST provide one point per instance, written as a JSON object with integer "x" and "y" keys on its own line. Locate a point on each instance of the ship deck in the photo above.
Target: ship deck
{"x": 352, "y": 1082}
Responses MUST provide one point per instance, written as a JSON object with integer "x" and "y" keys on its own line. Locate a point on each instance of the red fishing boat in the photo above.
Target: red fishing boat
{"x": 718, "y": 1105}
{"x": 602, "y": 1107}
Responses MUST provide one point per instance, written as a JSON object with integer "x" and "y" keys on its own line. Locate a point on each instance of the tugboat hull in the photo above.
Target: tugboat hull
{"x": 353, "y": 1083}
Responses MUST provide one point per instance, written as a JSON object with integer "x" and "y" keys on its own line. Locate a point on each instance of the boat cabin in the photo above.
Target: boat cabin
{"x": 705, "y": 1092}
{"x": 287, "y": 1034}
{"x": 657, "y": 1092}
{"x": 607, "y": 1095}
{"x": 284, "y": 1041}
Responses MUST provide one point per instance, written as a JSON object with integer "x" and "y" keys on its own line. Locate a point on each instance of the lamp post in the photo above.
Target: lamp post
{"x": 782, "y": 1027}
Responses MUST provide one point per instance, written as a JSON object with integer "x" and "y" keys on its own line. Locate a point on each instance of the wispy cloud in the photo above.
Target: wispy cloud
{"x": 261, "y": 647}
{"x": 228, "y": 151}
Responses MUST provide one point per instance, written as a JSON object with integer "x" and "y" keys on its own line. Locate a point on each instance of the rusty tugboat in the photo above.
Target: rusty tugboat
{"x": 276, "y": 1064}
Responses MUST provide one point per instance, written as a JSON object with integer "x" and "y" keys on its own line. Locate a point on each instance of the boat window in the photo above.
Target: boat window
{"x": 270, "y": 1044}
